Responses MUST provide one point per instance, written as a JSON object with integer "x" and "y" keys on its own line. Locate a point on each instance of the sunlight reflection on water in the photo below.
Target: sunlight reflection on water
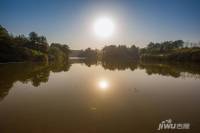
{"x": 103, "y": 85}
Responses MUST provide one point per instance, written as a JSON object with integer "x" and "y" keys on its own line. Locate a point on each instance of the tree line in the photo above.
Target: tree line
{"x": 36, "y": 48}
{"x": 171, "y": 51}
{"x": 31, "y": 48}
{"x": 109, "y": 53}
{"x": 177, "y": 50}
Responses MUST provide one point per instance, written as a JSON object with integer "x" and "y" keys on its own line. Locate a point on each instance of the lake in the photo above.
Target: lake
{"x": 93, "y": 97}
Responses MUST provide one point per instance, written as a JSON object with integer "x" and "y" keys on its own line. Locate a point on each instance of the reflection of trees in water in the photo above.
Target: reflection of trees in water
{"x": 40, "y": 77}
{"x": 189, "y": 75}
{"x": 160, "y": 69}
{"x": 174, "y": 69}
{"x": 39, "y": 73}
{"x": 119, "y": 65}
{"x": 59, "y": 66}
{"x": 88, "y": 62}
{"x": 36, "y": 73}
{"x": 4, "y": 90}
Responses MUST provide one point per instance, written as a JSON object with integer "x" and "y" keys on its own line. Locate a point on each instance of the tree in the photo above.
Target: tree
{"x": 20, "y": 40}
{"x": 58, "y": 52}
{"x": 33, "y": 37}
{"x": 134, "y": 52}
{"x": 89, "y": 53}
{"x": 37, "y": 42}
{"x": 3, "y": 32}
{"x": 120, "y": 52}
{"x": 178, "y": 43}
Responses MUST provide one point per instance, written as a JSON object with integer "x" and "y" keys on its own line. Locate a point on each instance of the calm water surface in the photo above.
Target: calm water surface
{"x": 84, "y": 97}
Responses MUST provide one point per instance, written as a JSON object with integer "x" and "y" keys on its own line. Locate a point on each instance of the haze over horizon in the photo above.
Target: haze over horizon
{"x": 72, "y": 22}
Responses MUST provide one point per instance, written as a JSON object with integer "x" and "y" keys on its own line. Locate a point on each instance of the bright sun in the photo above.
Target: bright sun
{"x": 104, "y": 27}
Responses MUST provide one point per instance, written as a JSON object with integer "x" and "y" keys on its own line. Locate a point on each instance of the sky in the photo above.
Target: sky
{"x": 71, "y": 22}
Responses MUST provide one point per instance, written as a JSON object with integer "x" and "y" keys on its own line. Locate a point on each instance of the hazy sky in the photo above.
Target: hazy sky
{"x": 71, "y": 21}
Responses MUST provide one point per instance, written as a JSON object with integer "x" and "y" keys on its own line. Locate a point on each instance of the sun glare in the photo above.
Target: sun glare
{"x": 103, "y": 84}
{"x": 104, "y": 27}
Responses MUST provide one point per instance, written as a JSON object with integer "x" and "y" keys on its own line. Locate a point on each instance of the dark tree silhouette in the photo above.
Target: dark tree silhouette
{"x": 21, "y": 48}
{"x": 120, "y": 52}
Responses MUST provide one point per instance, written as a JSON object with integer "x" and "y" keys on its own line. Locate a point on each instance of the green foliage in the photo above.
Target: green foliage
{"x": 186, "y": 54}
{"x": 4, "y": 36}
{"x": 183, "y": 54}
{"x": 89, "y": 53}
{"x": 38, "y": 43}
{"x": 32, "y": 48}
{"x": 164, "y": 47}
{"x": 58, "y": 52}
{"x": 36, "y": 48}
{"x": 20, "y": 40}
{"x": 120, "y": 52}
